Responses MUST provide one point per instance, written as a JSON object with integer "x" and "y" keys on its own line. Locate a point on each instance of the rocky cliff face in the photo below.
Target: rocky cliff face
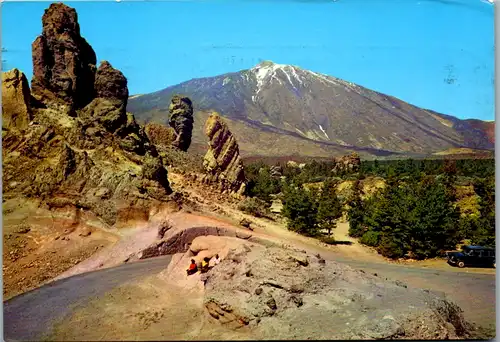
{"x": 16, "y": 106}
{"x": 82, "y": 149}
{"x": 222, "y": 161}
{"x": 181, "y": 120}
{"x": 63, "y": 62}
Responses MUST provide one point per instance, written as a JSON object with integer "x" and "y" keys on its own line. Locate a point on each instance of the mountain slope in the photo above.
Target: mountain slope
{"x": 315, "y": 108}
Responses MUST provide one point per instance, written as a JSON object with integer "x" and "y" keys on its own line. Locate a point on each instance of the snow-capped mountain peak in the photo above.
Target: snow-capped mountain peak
{"x": 267, "y": 71}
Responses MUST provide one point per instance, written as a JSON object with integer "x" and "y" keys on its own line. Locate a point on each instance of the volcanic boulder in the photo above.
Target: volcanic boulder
{"x": 285, "y": 294}
{"x": 222, "y": 160}
{"x": 63, "y": 61}
{"x": 181, "y": 120}
{"x": 350, "y": 163}
{"x": 16, "y": 109}
{"x": 109, "y": 105}
{"x": 111, "y": 84}
{"x": 160, "y": 135}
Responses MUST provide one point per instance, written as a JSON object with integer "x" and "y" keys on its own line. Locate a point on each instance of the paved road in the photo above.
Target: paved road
{"x": 30, "y": 316}
{"x": 473, "y": 292}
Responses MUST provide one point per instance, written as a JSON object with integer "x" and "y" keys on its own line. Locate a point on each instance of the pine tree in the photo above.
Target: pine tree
{"x": 329, "y": 207}
{"x": 485, "y": 232}
{"x": 435, "y": 229}
{"x": 356, "y": 211}
{"x": 396, "y": 217}
{"x": 299, "y": 207}
{"x": 414, "y": 217}
{"x": 449, "y": 170}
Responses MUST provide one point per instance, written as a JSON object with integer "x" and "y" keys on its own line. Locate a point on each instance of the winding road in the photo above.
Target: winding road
{"x": 31, "y": 316}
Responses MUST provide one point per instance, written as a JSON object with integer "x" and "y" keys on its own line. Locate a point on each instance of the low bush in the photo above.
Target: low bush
{"x": 370, "y": 238}
{"x": 254, "y": 206}
{"x": 328, "y": 240}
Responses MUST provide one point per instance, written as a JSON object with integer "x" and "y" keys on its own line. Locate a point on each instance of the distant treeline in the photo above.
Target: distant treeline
{"x": 260, "y": 182}
{"x": 464, "y": 167}
{"x": 415, "y": 214}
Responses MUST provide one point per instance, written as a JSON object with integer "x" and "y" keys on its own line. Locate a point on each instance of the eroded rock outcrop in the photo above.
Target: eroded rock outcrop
{"x": 111, "y": 84}
{"x": 181, "y": 120}
{"x": 108, "y": 109}
{"x": 109, "y": 105}
{"x": 349, "y": 163}
{"x": 16, "y": 108}
{"x": 82, "y": 149}
{"x": 180, "y": 240}
{"x": 222, "y": 160}
{"x": 63, "y": 61}
{"x": 160, "y": 134}
{"x": 276, "y": 171}
{"x": 281, "y": 294}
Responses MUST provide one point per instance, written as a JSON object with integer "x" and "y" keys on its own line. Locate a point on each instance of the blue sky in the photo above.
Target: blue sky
{"x": 437, "y": 54}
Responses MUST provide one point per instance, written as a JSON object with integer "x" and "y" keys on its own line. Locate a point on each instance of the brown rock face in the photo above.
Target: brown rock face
{"x": 181, "y": 120}
{"x": 110, "y": 83}
{"x": 350, "y": 163}
{"x": 96, "y": 159}
{"x": 63, "y": 61}
{"x": 110, "y": 102}
{"x": 16, "y": 110}
{"x": 160, "y": 134}
{"x": 222, "y": 161}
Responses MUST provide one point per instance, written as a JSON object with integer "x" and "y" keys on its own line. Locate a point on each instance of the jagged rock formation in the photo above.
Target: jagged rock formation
{"x": 108, "y": 109}
{"x": 63, "y": 62}
{"x": 282, "y": 294}
{"x": 181, "y": 120}
{"x": 160, "y": 135}
{"x": 350, "y": 163}
{"x": 16, "y": 108}
{"x": 222, "y": 161}
{"x": 93, "y": 156}
{"x": 276, "y": 171}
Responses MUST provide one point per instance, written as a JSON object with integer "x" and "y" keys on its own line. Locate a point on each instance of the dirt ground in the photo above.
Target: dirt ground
{"x": 151, "y": 309}
{"x": 38, "y": 244}
{"x": 167, "y": 306}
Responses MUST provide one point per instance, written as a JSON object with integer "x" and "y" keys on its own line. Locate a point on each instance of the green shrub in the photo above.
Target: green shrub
{"x": 370, "y": 238}
{"x": 390, "y": 249}
{"x": 300, "y": 208}
{"x": 328, "y": 240}
{"x": 254, "y": 206}
{"x": 261, "y": 184}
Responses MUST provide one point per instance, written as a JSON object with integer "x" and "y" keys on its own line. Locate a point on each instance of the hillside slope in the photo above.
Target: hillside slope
{"x": 316, "y": 112}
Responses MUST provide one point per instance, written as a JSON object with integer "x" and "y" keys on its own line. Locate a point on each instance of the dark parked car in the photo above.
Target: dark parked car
{"x": 472, "y": 256}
